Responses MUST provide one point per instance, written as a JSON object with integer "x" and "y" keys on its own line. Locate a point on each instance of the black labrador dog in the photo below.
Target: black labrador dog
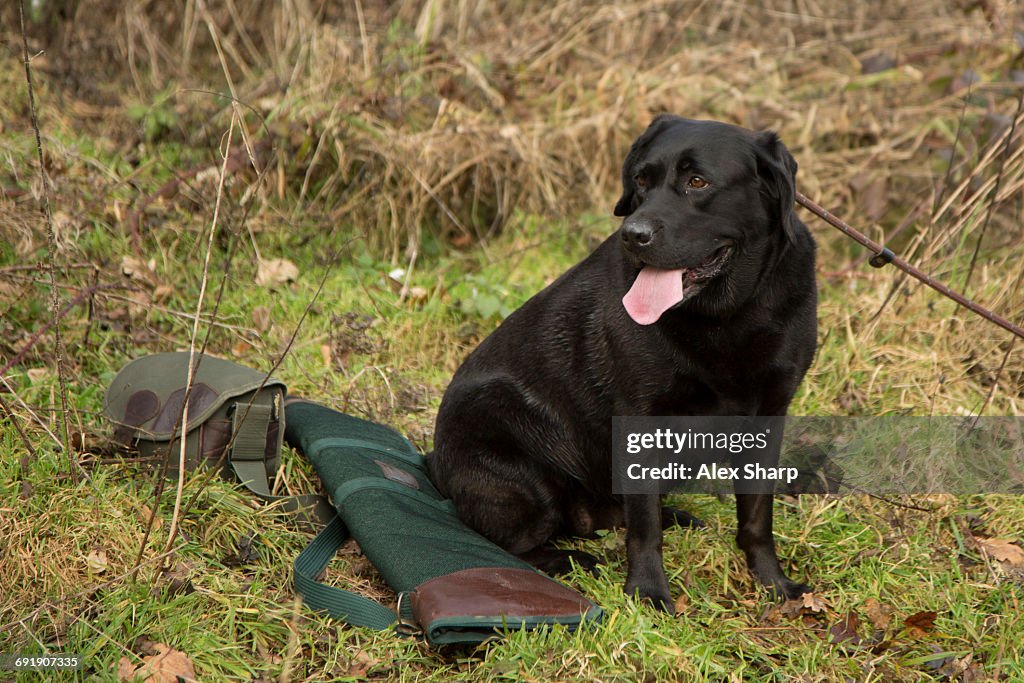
{"x": 702, "y": 303}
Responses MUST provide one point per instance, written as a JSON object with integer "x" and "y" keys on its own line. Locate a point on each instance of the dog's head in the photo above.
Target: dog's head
{"x": 708, "y": 207}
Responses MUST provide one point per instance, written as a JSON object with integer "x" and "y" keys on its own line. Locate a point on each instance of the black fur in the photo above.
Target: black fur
{"x": 523, "y": 435}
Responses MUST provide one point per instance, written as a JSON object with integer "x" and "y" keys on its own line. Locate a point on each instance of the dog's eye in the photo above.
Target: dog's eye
{"x": 697, "y": 183}
{"x": 640, "y": 182}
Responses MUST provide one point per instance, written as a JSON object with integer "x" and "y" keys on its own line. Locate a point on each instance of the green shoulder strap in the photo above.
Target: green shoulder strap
{"x": 347, "y": 606}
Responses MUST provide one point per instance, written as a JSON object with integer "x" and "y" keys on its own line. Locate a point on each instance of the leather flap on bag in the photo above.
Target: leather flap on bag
{"x": 496, "y": 593}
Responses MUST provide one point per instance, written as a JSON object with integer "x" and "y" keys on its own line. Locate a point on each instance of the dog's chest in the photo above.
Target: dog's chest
{"x": 722, "y": 373}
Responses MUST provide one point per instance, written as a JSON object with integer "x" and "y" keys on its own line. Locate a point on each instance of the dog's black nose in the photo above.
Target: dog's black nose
{"x": 637, "y": 233}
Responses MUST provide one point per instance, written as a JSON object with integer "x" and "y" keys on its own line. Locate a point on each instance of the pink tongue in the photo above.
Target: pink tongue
{"x": 654, "y": 292}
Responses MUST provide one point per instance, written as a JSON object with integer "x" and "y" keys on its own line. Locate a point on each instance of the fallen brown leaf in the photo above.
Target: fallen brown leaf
{"x": 360, "y": 663}
{"x": 125, "y": 670}
{"x": 845, "y": 631}
{"x": 814, "y": 602}
{"x": 143, "y": 513}
{"x": 275, "y": 271}
{"x": 167, "y": 666}
{"x": 178, "y": 578}
{"x": 97, "y": 561}
{"x": 920, "y": 624}
{"x": 879, "y": 613}
{"x": 805, "y": 605}
{"x": 1003, "y": 550}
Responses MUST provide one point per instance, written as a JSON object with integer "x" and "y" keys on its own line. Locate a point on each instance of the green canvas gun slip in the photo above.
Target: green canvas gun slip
{"x": 453, "y": 585}
{"x": 235, "y": 418}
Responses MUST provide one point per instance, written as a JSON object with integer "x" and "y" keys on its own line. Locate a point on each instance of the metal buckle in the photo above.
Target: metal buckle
{"x": 403, "y": 627}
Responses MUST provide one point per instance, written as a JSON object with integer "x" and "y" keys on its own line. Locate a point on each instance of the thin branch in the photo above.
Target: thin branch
{"x": 195, "y": 333}
{"x": 51, "y": 248}
{"x": 994, "y": 197}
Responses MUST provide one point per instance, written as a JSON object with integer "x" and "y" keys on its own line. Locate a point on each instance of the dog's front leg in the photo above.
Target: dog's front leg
{"x": 646, "y": 576}
{"x": 754, "y": 537}
{"x": 754, "y": 534}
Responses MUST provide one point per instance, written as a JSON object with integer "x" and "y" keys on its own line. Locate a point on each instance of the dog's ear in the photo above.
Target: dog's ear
{"x": 776, "y": 170}
{"x": 625, "y": 205}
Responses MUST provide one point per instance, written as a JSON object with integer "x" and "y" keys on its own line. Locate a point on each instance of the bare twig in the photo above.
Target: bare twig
{"x": 994, "y": 197}
{"x": 21, "y": 434}
{"x": 216, "y": 467}
{"x": 195, "y": 334}
{"x": 51, "y": 247}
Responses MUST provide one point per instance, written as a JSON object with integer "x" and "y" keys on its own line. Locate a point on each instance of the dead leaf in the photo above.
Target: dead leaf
{"x": 1003, "y": 550}
{"x": 143, "y": 514}
{"x": 879, "y": 613}
{"x": 360, "y": 663}
{"x": 276, "y": 271}
{"x": 245, "y": 553}
{"x": 96, "y": 561}
{"x": 141, "y": 271}
{"x": 845, "y": 631}
{"x": 167, "y": 666}
{"x": 814, "y": 602}
{"x": 82, "y": 442}
{"x": 791, "y": 608}
{"x": 178, "y": 578}
{"x": 125, "y": 670}
{"x": 681, "y": 603}
{"x": 970, "y": 671}
{"x": 771, "y": 615}
{"x": 37, "y": 374}
{"x": 805, "y": 605}
{"x": 918, "y": 625}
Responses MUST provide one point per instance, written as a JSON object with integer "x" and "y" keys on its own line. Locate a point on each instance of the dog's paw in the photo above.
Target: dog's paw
{"x": 657, "y": 596}
{"x": 558, "y": 561}
{"x": 585, "y": 561}
{"x": 673, "y": 516}
{"x": 789, "y": 590}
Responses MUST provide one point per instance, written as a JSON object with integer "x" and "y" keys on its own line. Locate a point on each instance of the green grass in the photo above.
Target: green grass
{"x": 241, "y": 621}
{"x": 222, "y": 594}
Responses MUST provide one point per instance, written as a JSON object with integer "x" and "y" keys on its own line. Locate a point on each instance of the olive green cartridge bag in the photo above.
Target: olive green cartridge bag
{"x": 235, "y": 417}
